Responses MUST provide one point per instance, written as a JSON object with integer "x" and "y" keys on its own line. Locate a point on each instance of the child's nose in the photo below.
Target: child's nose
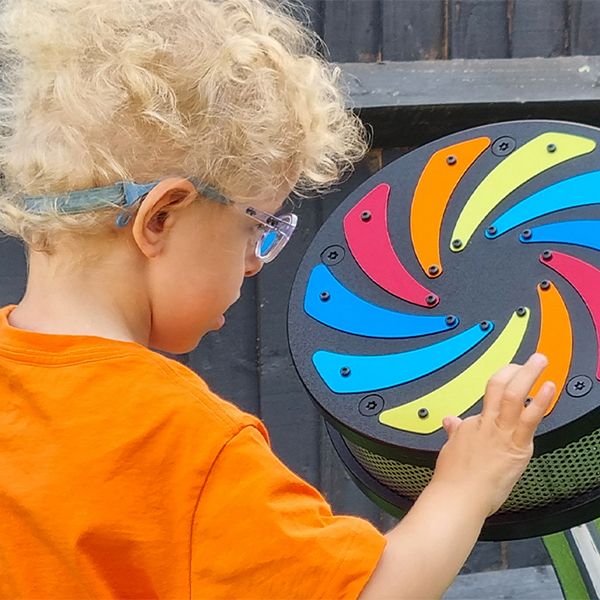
{"x": 253, "y": 266}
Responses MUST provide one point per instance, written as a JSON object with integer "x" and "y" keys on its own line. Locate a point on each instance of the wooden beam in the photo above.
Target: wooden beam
{"x": 478, "y": 28}
{"x": 409, "y": 103}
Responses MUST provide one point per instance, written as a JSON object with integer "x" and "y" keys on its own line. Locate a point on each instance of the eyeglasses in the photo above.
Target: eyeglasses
{"x": 276, "y": 232}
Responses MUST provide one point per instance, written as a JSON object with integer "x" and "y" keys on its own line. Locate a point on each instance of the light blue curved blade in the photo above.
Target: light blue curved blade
{"x": 581, "y": 190}
{"x": 577, "y": 233}
{"x": 370, "y": 373}
{"x": 347, "y": 312}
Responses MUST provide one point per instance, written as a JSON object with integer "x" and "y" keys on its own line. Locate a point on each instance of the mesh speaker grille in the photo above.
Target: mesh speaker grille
{"x": 552, "y": 477}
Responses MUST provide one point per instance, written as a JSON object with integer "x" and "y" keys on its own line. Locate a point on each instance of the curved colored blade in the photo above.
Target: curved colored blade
{"x": 585, "y": 279}
{"x": 368, "y": 238}
{"x": 555, "y": 341}
{"x": 349, "y": 374}
{"x": 432, "y": 194}
{"x": 517, "y": 168}
{"x": 581, "y": 190}
{"x": 576, "y": 233}
{"x": 462, "y": 392}
{"x": 347, "y": 312}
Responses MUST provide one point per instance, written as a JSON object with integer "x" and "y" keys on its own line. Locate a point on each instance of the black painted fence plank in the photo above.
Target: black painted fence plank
{"x": 310, "y": 12}
{"x": 285, "y": 408}
{"x": 478, "y": 29}
{"x": 413, "y": 29}
{"x": 585, "y": 27}
{"x": 13, "y": 271}
{"x": 444, "y": 83}
{"x": 352, "y": 30}
{"x": 538, "y": 28}
{"x": 227, "y": 359}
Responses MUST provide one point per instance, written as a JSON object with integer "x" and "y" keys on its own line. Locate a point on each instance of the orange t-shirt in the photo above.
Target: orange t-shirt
{"x": 123, "y": 476}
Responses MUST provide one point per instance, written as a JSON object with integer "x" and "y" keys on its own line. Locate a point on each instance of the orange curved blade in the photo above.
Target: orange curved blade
{"x": 432, "y": 194}
{"x": 555, "y": 341}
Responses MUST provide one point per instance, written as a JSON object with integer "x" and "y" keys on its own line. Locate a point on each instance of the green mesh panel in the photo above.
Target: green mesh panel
{"x": 558, "y": 475}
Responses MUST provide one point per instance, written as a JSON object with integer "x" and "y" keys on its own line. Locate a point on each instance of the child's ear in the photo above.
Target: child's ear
{"x": 155, "y": 211}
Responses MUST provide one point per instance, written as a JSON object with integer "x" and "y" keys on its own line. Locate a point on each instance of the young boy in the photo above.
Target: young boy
{"x": 147, "y": 145}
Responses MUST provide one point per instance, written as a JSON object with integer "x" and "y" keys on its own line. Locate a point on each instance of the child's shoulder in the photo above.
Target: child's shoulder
{"x": 171, "y": 387}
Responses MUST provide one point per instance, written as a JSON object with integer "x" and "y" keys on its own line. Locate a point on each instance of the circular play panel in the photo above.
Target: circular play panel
{"x": 466, "y": 254}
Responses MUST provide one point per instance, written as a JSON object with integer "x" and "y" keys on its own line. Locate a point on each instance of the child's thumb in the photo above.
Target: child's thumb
{"x": 451, "y": 424}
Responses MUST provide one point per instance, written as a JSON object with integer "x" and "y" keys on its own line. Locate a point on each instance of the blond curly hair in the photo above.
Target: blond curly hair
{"x": 233, "y": 92}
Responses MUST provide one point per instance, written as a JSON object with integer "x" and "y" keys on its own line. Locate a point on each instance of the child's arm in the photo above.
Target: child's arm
{"x": 475, "y": 472}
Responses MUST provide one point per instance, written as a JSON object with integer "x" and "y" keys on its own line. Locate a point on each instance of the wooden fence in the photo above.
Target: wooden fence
{"x": 403, "y": 30}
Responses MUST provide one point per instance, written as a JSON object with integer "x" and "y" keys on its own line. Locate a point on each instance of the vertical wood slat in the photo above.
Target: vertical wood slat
{"x": 227, "y": 359}
{"x": 413, "y": 29}
{"x": 538, "y": 28}
{"x": 478, "y": 29}
{"x": 285, "y": 408}
{"x": 585, "y": 27}
{"x": 13, "y": 271}
{"x": 311, "y": 14}
{"x": 352, "y": 30}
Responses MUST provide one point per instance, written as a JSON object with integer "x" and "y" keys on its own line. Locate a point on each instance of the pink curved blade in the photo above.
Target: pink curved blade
{"x": 585, "y": 279}
{"x": 367, "y": 234}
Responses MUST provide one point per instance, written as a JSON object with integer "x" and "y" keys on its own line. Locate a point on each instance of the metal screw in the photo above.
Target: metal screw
{"x": 547, "y": 254}
{"x": 450, "y": 320}
{"x": 580, "y": 385}
{"x": 324, "y": 296}
{"x": 526, "y": 235}
{"x": 365, "y": 215}
{"x": 545, "y": 285}
{"x": 521, "y": 311}
{"x": 370, "y": 405}
{"x": 433, "y": 270}
{"x": 457, "y": 243}
{"x": 484, "y": 325}
{"x": 503, "y": 146}
{"x": 332, "y": 255}
{"x": 492, "y": 230}
{"x": 431, "y": 299}
{"x": 551, "y": 147}
{"x": 345, "y": 371}
{"x": 423, "y": 413}
{"x": 451, "y": 160}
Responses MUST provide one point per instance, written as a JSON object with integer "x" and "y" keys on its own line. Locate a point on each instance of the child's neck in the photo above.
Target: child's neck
{"x": 61, "y": 301}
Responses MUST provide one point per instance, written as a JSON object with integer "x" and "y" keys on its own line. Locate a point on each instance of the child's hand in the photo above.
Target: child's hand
{"x": 486, "y": 454}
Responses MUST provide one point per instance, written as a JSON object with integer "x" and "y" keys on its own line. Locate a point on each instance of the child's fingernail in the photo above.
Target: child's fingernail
{"x": 539, "y": 360}
{"x": 549, "y": 385}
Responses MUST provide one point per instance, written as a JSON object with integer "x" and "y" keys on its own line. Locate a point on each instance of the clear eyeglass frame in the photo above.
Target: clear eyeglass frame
{"x": 275, "y": 232}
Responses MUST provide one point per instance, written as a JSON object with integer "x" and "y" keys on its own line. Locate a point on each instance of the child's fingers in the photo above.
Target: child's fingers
{"x": 517, "y": 389}
{"x": 532, "y": 414}
{"x": 494, "y": 390}
{"x": 450, "y": 425}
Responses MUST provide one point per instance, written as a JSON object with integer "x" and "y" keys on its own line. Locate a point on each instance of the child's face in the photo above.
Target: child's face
{"x": 199, "y": 255}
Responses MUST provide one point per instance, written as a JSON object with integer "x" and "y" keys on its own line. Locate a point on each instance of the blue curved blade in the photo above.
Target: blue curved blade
{"x": 581, "y": 190}
{"x": 345, "y": 311}
{"x": 577, "y": 233}
{"x": 349, "y": 374}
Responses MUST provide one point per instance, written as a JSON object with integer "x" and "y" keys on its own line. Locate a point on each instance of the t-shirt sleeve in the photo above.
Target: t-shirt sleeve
{"x": 261, "y": 532}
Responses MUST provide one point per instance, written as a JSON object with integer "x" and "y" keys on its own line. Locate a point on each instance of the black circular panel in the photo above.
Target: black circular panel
{"x": 473, "y": 251}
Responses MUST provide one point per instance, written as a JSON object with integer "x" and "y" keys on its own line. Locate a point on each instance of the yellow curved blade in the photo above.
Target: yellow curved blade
{"x": 517, "y": 168}
{"x": 462, "y": 392}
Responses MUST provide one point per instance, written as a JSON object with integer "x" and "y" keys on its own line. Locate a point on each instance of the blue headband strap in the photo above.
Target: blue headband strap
{"x": 124, "y": 194}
